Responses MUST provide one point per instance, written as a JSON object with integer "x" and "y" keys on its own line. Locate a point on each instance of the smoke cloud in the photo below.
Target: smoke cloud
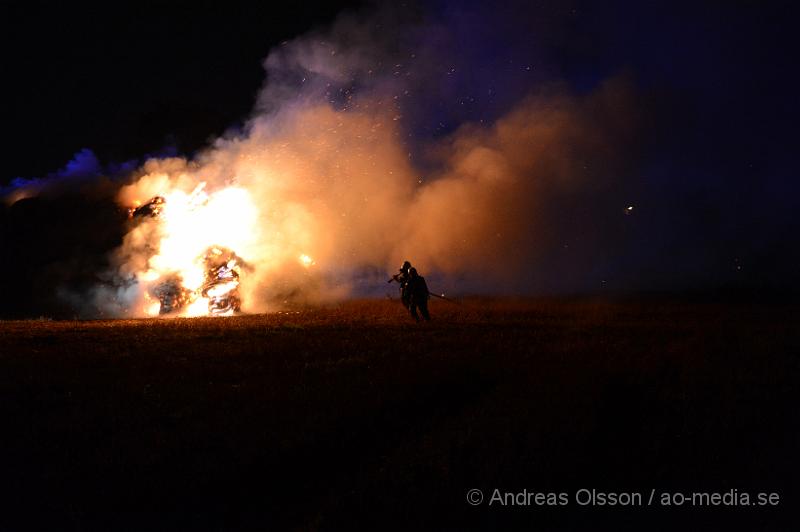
{"x": 373, "y": 142}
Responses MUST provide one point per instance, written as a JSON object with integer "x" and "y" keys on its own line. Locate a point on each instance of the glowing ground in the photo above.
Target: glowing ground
{"x": 354, "y": 416}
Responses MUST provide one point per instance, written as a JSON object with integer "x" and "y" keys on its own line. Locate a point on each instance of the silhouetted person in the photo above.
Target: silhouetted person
{"x": 402, "y": 279}
{"x": 418, "y": 295}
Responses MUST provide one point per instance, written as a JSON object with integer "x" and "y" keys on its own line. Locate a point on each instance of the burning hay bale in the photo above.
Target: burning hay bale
{"x": 178, "y": 292}
{"x": 171, "y": 295}
{"x": 221, "y": 286}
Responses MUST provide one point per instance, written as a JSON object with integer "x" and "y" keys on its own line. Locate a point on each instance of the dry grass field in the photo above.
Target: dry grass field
{"x": 353, "y": 416}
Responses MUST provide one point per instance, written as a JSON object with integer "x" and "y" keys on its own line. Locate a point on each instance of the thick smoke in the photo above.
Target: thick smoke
{"x": 357, "y": 157}
{"x": 328, "y": 162}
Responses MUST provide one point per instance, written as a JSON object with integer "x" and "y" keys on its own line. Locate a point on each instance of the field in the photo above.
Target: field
{"x": 353, "y": 416}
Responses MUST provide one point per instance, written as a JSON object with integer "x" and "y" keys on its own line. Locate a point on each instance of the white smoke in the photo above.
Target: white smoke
{"x": 326, "y": 161}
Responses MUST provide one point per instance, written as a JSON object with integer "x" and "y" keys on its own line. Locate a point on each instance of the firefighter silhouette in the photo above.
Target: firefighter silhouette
{"x": 418, "y": 295}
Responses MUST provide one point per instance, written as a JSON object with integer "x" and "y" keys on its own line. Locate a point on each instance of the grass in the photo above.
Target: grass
{"x": 354, "y": 416}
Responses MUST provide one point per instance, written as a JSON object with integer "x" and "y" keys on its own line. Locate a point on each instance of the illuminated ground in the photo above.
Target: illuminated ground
{"x": 353, "y": 415}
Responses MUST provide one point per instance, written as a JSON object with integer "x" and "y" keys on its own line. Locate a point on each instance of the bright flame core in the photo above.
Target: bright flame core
{"x": 192, "y": 226}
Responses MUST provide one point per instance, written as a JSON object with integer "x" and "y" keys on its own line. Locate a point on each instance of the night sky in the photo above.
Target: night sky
{"x": 712, "y": 174}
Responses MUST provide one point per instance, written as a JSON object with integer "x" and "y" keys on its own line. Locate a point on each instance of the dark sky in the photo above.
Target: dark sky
{"x": 81, "y": 76}
{"x": 716, "y": 165}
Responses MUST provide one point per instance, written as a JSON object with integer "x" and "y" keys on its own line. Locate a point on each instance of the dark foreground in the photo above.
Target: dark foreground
{"x": 352, "y": 417}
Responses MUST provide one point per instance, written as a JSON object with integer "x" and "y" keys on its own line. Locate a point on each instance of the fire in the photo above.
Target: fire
{"x": 194, "y": 222}
{"x": 202, "y": 243}
{"x": 152, "y": 308}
